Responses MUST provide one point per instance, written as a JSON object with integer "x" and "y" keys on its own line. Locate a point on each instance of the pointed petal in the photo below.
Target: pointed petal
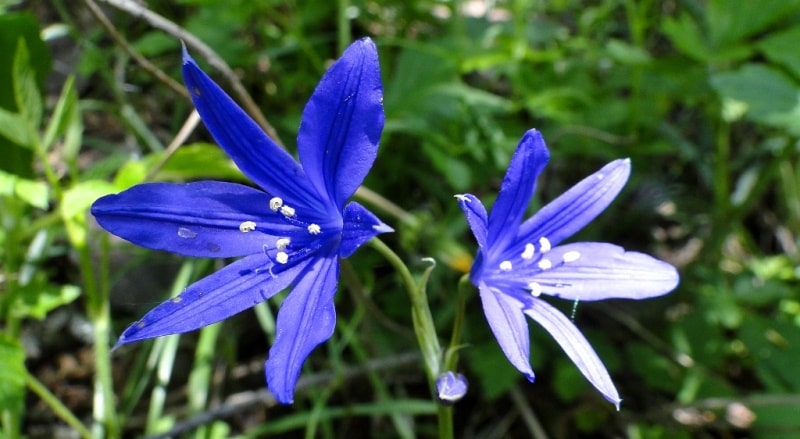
{"x": 258, "y": 157}
{"x": 476, "y": 217}
{"x": 508, "y": 324}
{"x": 237, "y": 287}
{"x": 306, "y": 319}
{"x": 360, "y": 225}
{"x": 528, "y": 161}
{"x": 604, "y": 271}
{"x": 342, "y": 123}
{"x": 200, "y": 219}
{"x": 576, "y": 347}
{"x": 578, "y": 206}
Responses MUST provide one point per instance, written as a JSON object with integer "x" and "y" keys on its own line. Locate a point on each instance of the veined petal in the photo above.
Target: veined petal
{"x": 360, "y": 225}
{"x": 509, "y": 326}
{"x": 201, "y": 219}
{"x": 578, "y": 206}
{"x": 576, "y": 347}
{"x": 342, "y": 123}
{"x": 528, "y": 161}
{"x": 235, "y": 288}
{"x": 307, "y": 318}
{"x": 598, "y": 271}
{"x": 256, "y": 155}
{"x": 476, "y": 217}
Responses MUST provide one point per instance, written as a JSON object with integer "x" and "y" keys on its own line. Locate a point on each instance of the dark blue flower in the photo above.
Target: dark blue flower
{"x": 291, "y": 233}
{"x": 519, "y": 261}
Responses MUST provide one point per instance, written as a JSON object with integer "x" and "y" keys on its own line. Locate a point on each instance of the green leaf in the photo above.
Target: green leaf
{"x": 731, "y": 22}
{"x": 36, "y": 301}
{"x": 12, "y": 127}
{"x": 26, "y": 93}
{"x": 781, "y": 48}
{"x": 196, "y": 161}
{"x": 12, "y": 375}
{"x": 76, "y": 203}
{"x": 64, "y": 115}
{"x": 35, "y": 193}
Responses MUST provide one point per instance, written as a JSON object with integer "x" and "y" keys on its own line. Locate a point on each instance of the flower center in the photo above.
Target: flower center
{"x": 521, "y": 271}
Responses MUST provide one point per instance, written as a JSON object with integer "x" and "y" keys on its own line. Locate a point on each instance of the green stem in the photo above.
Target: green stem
{"x": 343, "y": 25}
{"x": 57, "y": 406}
{"x": 451, "y": 356}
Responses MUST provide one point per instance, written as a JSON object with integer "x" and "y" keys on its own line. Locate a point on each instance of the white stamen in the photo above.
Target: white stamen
{"x": 545, "y": 264}
{"x": 275, "y": 203}
{"x": 247, "y": 226}
{"x": 571, "y": 256}
{"x": 462, "y": 197}
{"x": 544, "y": 245}
{"x": 529, "y": 251}
{"x": 282, "y": 257}
{"x": 536, "y": 289}
{"x": 282, "y": 243}
{"x": 314, "y": 229}
{"x": 506, "y": 266}
{"x": 287, "y": 211}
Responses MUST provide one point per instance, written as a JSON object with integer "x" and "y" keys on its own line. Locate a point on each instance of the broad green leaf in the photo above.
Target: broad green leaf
{"x": 26, "y": 93}
{"x": 12, "y": 375}
{"x": 731, "y": 22}
{"x": 36, "y": 301}
{"x": 76, "y": 203}
{"x": 64, "y": 115}
{"x": 195, "y": 161}
{"x": 626, "y": 53}
{"x": 12, "y": 127}
{"x": 686, "y": 36}
{"x": 781, "y": 48}
{"x": 35, "y": 193}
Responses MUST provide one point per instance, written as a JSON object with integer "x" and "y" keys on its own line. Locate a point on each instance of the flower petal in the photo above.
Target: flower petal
{"x": 342, "y": 123}
{"x": 576, "y": 347}
{"x": 240, "y": 285}
{"x": 528, "y": 161}
{"x": 200, "y": 219}
{"x": 578, "y": 206}
{"x": 476, "y": 217}
{"x": 509, "y": 326}
{"x": 306, "y": 318}
{"x": 604, "y": 271}
{"x": 258, "y": 157}
{"x": 360, "y": 225}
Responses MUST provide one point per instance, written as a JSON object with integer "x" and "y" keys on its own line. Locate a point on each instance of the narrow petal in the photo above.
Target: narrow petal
{"x": 509, "y": 326}
{"x": 307, "y": 318}
{"x": 360, "y": 225}
{"x": 476, "y": 217}
{"x": 576, "y": 347}
{"x": 528, "y": 161}
{"x": 256, "y": 155}
{"x": 578, "y": 206}
{"x": 200, "y": 219}
{"x": 237, "y": 287}
{"x": 604, "y": 271}
{"x": 342, "y": 123}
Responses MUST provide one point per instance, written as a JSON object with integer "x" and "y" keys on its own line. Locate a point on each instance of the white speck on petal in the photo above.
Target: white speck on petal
{"x": 314, "y": 229}
{"x": 529, "y": 251}
{"x": 536, "y": 289}
{"x": 282, "y": 257}
{"x": 247, "y": 226}
{"x": 183, "y": 232}
{"x": 544, "y": 245}
{"x": 545, "y": 264}
{"x": 600, "y": 176}
{"x": 571, "y": 256}
{"x": 506, "y": 266}
{"x": 282, "y": 243}
{"x": 275, "y": 203}
{"x": 287, "y": 211}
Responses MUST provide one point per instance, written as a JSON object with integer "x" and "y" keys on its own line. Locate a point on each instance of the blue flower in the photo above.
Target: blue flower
{"x": 291, "y": 233}
{"x": 451, "y": 387}
{"x": 518, "y": 261}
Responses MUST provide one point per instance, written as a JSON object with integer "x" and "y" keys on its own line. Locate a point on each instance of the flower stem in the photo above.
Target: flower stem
{"x": 57, "y": 406}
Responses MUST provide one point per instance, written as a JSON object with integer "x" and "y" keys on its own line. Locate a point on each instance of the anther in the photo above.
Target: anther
{"x": 282, "y": 243}
{"x": 536, "y": 289}
{"x": 247, "y": 226}
{"x": 287, "y": 211}
{"x": 506, "y": 266}
{"x": 529, "y": 251}
{"x": 571, "y": 257}
{"x": 275, "y": 203}
{"x": 545, "y": 264}
{"x": 314, "y": 229}
{"x": 544, "y": 245}
{"x": 282, "y": 257}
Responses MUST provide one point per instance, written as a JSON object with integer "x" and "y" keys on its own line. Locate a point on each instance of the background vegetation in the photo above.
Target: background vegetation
{"x": 701, "y": 95}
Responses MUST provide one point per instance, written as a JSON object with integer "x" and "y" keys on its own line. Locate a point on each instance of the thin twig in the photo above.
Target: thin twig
{"x": 187, "y": 129}
{"x": 159, "y": 22}
{"x": 242, "y": 401}
{"x": 144, "y": 62}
